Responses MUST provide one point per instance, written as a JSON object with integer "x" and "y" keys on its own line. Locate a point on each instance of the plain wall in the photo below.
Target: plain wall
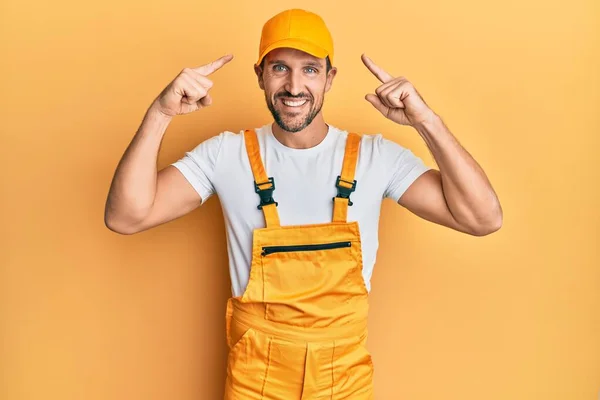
{"x": 86, "y": 313}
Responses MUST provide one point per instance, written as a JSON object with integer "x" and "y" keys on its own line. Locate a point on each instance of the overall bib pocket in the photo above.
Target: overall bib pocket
{"x": 305, "y": 281}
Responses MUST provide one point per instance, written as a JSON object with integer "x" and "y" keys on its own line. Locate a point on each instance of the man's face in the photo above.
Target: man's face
{"x": 294, "y": 83}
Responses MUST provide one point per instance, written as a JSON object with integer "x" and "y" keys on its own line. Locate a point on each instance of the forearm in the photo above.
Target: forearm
{"x": 133, "y": 187}
{"x": 467, "y": 190}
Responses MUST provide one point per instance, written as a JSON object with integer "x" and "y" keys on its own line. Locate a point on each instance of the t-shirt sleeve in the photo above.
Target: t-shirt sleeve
{"x": 402, "y": 165}
{"x": 198, "y": 166}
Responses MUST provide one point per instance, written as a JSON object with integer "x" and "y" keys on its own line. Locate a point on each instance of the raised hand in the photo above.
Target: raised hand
{"x": 397, "y": 99}
{"x": 188, "y": 92}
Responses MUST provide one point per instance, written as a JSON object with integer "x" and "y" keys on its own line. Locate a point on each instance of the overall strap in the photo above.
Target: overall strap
{"x": 345, "y": 182}
{"x": 262, "y": 185}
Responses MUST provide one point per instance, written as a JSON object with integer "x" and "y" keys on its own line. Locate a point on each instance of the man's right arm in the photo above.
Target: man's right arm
{"x": 140, "y": 197}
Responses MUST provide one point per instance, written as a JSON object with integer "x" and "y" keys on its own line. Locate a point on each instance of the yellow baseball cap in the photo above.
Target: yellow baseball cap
{"x": 296, "y": 29}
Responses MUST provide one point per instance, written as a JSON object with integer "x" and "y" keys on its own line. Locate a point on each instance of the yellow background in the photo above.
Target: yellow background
{"x": 90, "y": 314}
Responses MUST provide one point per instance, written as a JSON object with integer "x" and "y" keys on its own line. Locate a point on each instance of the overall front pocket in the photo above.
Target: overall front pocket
{"x": 311, "y": 283}
{"x": 248, "y": 365}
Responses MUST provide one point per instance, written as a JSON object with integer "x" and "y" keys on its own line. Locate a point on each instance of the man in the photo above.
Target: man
{"x": 301, "y": 202}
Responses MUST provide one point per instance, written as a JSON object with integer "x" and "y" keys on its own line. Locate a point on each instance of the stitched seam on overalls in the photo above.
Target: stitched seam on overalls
{"x": 262, "y": 391}
{"x": 262, "y": 275}
{"x": 332, "y": 358}
{"x": 349, "y": 283}
{"x": 361, "y": 266}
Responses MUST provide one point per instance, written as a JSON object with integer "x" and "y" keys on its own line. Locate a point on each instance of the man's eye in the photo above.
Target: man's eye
{"x": 279, "y": 66}
{"x": 310, "y": 68}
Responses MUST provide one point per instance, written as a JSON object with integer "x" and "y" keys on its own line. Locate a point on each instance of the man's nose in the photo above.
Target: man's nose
{"x": 294, "y": 83}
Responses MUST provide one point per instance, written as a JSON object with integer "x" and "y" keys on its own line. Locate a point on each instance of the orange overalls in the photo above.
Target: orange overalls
{"x": 299, "y": 330}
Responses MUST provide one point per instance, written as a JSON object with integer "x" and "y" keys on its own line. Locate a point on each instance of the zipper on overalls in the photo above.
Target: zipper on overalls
{"x": 304, "y": 247}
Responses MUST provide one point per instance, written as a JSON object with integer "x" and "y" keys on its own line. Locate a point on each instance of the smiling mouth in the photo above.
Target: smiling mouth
{"x": 294, "y": 103}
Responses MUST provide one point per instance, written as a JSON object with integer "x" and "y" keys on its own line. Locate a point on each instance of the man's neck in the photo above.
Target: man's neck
{"x": 308, "y": 137}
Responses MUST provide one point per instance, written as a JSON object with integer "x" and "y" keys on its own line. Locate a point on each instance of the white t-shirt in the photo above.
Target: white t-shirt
{"x": 304, "y": 187}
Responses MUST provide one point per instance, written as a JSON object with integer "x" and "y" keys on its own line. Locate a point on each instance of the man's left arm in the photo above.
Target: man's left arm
{"x": 459, "y": 195}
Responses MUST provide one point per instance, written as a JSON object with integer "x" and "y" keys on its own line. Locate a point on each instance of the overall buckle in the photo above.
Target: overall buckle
{"x": 266, "y": 195}
{"x": 344, "y": 192}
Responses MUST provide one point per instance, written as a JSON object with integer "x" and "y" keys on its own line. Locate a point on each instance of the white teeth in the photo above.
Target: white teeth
{"x": 293, "y": 103}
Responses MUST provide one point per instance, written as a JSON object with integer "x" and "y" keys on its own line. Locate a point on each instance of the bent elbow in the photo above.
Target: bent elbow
{"x": 489, "y": 228}
{"x": 120, "y": 228}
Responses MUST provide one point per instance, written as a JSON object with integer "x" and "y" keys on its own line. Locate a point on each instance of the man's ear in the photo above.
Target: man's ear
{"x": 330, "y": 75}
{"x": 258, "y": 71}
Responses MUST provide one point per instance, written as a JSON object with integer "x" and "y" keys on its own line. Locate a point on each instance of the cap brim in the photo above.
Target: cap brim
{"x": 297, "y": 44}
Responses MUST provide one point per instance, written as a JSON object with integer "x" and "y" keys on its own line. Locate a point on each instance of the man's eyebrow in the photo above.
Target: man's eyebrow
{"x": 313, "y": 64}
{"x": 309, "y": 63}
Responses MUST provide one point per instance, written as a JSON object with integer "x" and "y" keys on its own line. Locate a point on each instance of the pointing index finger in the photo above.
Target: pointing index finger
{"x": 376, "y": 70}
{"x": 215, "y": 65}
